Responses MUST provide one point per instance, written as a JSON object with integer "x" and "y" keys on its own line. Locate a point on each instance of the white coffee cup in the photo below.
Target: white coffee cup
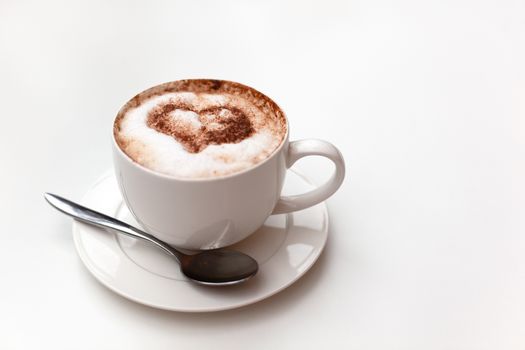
{"x": 219, "y": 211}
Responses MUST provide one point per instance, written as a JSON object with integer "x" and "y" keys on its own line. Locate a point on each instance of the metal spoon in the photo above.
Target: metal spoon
{"x": 210, "y": 267}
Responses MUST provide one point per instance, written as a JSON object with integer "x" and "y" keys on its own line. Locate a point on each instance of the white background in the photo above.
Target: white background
{"x": 426, "y": 100}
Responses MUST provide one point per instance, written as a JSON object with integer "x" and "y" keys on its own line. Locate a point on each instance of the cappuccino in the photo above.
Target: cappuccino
{"x": 199, "y": 128}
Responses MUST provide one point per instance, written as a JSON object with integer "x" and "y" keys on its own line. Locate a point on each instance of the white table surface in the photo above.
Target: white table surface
{"x": 426, "y": 100}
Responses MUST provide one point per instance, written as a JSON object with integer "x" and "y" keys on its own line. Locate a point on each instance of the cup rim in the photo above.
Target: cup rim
{"x": 284, "y": 140}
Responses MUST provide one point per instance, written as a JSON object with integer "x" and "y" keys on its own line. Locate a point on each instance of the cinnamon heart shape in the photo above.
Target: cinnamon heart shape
{"x": 218, "y": 125}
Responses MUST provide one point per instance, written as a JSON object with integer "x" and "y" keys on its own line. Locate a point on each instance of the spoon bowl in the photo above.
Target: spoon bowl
{"x": 219, "y": 266}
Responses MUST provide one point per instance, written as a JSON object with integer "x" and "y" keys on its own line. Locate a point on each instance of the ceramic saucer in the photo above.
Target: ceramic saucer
{"x": 285, "y": 247}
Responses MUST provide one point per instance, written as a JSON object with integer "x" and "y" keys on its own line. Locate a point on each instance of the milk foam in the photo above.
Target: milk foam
{"x": 165, "y": 154}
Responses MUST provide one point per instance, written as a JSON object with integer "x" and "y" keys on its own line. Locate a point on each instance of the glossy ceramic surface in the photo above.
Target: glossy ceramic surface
{"x": 220, "y": 211}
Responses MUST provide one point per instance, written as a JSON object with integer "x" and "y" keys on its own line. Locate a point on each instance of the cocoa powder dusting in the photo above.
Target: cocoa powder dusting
{"x": 219, "y": 125}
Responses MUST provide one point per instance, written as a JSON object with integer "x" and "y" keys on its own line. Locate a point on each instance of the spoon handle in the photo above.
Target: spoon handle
{"x": 95, "y": 218}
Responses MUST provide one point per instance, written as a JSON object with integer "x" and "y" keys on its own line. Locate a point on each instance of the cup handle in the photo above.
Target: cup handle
{"x": 312, "y": 147}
